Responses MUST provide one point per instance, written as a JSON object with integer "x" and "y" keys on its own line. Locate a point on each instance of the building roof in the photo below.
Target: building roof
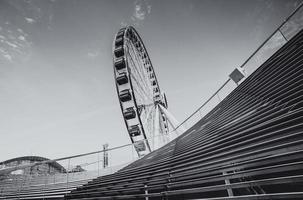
{"x": 35, "y": 159}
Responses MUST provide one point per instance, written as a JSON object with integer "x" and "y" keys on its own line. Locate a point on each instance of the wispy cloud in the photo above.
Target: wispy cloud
{"x": 21, "y": 37}
{"x": 92, "y": 54}
{"x": 29, "y": 20}
{"x": 8, "y": 57}
{"x": 141, "y": 10}
{"x": 14, "y": 44}
{"x": 93, "y": 50}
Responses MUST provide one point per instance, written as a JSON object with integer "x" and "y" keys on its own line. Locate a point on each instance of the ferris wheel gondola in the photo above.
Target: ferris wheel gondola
{"x": 140, "y": 97}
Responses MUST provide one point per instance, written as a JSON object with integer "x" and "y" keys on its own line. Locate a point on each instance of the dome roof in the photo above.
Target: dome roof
{"x": 55, "y": 165}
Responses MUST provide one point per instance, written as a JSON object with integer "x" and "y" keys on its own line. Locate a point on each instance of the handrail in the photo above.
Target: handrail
{"x": 10, "y": 169}
{"x": 273, "y": 33}
{"x": 244, "y": 63}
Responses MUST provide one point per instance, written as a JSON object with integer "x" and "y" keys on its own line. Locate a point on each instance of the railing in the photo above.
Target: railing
{"x": 78, "y": 170}
{"x": 290, "y": 27}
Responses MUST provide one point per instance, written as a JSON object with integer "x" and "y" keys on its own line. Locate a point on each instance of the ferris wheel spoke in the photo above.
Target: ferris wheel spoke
{"x": 148, "y": 113}
{"x": 147, "y": 116}
{"x": 141, "y": 88}
{"x": 142, "y": 92}
{"x": 145, "y": 106}
{"x": 135, "y": 75}
{"x": 136, "y": 65}
{"x": 140, "y": 100}
{"x": 139, "y": 91}
{"x": 141, "y": 67}
{"x": 139, "y": 77}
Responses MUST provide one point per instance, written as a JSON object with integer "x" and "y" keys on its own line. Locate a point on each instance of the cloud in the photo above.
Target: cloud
{"x": 141, "y": 9}
{"x": 50, "y": 21}
{"x": 29, "y": 20}
{"x": 14, "y": 44}
{"x": 11, "y": 44}
{"x": 92, "y": 54}
{"x": 8, "y": 57}
{"x": 21, "y": 37}
{"x": 139, "y": 12}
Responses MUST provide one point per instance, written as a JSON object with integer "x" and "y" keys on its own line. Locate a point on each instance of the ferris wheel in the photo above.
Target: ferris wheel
{"x": 143, "y": 105}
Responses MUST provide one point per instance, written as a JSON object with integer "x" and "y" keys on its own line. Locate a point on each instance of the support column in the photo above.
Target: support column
{"x": 172, "y": 120}
{"x": 156, "y": 128}
{"x": 227, "y": 182}
{"x": 146, "y": 192}
{"x": 105, "y": 155}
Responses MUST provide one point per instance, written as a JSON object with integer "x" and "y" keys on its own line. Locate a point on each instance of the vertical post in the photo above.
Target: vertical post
{"x": 44, "y": 188}
{"x": 68, "y": 168}
{"x": 283, "y": 35}
{"x": 98, "y": 163}
{"x": 219, "y": 96}
{"x": 19, "y": 187}
{"x": 200, "y": 113}
{"x": 227, "y": 182}
{"x": 146, "y": 192}
{"x": 105, "y": 155}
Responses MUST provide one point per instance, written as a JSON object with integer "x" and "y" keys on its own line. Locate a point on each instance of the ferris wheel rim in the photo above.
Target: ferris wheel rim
{"x": 122, "y": 33}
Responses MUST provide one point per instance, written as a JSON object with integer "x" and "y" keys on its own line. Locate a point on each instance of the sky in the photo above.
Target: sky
{"x": 57, "y": 89}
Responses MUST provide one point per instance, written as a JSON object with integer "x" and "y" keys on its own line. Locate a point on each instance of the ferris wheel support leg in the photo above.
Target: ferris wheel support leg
{"x": 156, "y": 125}
{"x": 172, "y": 120}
